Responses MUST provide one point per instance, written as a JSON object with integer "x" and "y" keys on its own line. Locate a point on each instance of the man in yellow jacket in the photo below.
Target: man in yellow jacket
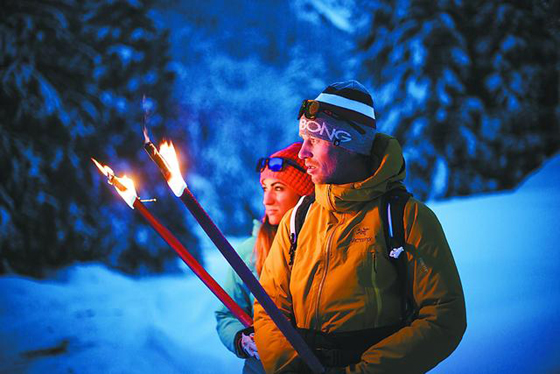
{"x": 339, "y": 287}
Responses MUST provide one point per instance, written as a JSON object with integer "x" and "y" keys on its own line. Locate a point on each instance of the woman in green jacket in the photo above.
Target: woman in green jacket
{"x": 284, "y": 180}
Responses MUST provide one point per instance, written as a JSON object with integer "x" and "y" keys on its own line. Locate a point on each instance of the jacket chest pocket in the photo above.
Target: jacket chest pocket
{"x": 366, "y": 269}
{"x": 384, "y": 273}
{"x": 376, "y": 270}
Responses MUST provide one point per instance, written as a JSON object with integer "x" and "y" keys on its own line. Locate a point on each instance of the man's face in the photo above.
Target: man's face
{"x": 327, "y": 163}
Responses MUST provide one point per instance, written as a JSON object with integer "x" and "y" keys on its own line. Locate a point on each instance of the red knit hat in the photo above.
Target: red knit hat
{"x": 299, "y": 181}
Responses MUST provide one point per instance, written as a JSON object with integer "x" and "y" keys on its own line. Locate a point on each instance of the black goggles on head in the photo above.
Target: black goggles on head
{"x": 277, "y": 164}
{"x": 310, "y": 108}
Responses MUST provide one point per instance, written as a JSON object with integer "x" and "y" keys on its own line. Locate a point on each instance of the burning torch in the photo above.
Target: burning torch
{"x": 166, "y": 160}
{"x": 125, "y": 188}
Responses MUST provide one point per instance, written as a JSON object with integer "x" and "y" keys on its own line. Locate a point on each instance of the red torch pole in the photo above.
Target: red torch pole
{"x": 182, "y": 191}
{"x": 134, "y": 202}
{"x": 193, "y": 264}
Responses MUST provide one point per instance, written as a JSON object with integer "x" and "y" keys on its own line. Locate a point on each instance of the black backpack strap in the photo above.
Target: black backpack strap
{"x": 394, "y": 203}
{"x": 296, "y": 222}
{"x": 392, "y": 215}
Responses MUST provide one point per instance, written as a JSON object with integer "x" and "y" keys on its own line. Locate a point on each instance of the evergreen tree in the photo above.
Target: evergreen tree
{"x": 470, "y": 88}
{"x": 73, "y": 75}
{"x": 244, "y": 69}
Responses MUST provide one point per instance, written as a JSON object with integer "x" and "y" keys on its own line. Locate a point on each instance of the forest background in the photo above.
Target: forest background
{"x": 470, "y": 89}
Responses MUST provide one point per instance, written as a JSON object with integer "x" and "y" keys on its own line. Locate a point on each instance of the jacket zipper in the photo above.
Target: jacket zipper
{"x": 323, "y": 279}
{"x": 329, "y": 187}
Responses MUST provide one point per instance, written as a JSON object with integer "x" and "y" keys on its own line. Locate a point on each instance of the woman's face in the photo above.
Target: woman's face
{"x": 278, "y": 199}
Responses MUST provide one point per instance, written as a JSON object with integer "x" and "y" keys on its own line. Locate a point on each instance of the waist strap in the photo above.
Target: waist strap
{"x": 338, "y": 349}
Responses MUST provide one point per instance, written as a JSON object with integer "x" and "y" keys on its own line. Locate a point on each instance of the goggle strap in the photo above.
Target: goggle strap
{"x": 305, "y": 110}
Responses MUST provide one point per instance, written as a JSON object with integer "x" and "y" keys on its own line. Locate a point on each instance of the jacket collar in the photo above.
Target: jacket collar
{"x": 389, "y": 172}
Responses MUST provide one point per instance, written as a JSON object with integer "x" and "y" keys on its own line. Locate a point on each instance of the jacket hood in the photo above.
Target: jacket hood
{"x": 388, "y": 173}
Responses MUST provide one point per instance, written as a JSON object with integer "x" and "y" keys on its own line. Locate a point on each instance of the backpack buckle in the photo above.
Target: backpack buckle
{"x": 396, "y": 252}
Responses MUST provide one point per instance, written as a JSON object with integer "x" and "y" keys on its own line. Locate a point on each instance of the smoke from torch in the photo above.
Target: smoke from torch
{"x": 149, "y": 146}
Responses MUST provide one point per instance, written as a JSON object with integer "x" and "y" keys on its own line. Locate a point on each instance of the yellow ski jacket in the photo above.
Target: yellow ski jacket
{"x": 341, "y": 279}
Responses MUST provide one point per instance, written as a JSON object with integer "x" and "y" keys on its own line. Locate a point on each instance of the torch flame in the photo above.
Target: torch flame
{"x": 105, "y": 170}
{"x": 176, "y": 181}
{"x": 124, "y": 185}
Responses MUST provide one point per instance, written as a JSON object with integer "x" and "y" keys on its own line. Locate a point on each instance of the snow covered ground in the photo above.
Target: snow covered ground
{"x": 89, "y": 319}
